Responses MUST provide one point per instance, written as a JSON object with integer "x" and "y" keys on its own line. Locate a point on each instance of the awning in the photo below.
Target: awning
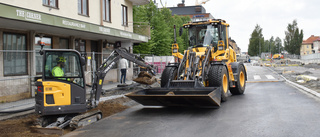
{"x": 23, "y": 19}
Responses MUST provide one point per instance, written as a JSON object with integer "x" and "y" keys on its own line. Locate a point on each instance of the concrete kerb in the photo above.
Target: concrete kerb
{"x": 299, "y": 86}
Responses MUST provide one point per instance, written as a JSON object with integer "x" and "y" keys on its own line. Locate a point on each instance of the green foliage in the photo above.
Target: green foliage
{"x": 256, "y": 42}
{"x": 278, "y": 46}
{"x": 161, "y": 23}
{"x": 293, "y": 38}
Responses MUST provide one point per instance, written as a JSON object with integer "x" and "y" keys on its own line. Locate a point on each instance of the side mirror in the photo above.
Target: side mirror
{"x": 180, "y": 31}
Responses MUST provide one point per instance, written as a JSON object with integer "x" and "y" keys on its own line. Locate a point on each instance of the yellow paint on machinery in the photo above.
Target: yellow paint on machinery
{"x": 61, "y": 93}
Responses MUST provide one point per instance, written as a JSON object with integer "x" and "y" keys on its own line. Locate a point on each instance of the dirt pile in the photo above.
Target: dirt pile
{"x": 111, "y": 107}
{"x": 145, "y": 78}
{"x": 306, "y": 76}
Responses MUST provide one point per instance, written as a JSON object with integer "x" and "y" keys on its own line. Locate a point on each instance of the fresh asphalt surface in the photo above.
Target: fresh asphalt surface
{"x": 266, "y": 109}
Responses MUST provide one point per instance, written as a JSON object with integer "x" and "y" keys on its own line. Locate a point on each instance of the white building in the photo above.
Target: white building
{"x": 84, "y": 25}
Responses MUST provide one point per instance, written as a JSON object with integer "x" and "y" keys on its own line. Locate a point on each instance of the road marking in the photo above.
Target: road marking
{"x": 270, "y": 77}
{"x": 256, "y": 77}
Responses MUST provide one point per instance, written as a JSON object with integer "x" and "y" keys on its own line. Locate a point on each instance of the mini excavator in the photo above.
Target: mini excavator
{"x": 203, "y": 75}
{"x": 61, "y": 100}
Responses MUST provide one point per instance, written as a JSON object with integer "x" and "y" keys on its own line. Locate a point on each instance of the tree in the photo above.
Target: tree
{"x": 293, "y": 38}
{"x": 256, "y": 42}
{"x": 278, "y": 45}
{"x": 161, "y": 23}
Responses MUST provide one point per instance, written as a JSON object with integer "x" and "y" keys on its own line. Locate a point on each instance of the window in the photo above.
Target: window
{"x": 80, "y": 45}
{"x": 106, "y": 10}
{"x": 15, "y": 55}
{"x": 47, "y": 45}
{"x": 124, "y": 15}
{"x": 50, "y": 3}
{"x": 83, "y": 7}
{"x": 64, "y": 43}
{"x": 71, "y": 67}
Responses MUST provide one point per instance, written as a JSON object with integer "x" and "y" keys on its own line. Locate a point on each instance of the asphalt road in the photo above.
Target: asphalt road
{"x": 266, "y": 109}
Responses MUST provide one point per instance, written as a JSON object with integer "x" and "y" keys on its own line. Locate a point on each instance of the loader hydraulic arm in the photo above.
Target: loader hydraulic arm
{"x": 105, "y": 68}
{"x": 175, "y": 51}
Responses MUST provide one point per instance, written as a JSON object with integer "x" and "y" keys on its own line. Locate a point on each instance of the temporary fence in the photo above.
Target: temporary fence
{"x": 16, "y": 72}
{"x": 311, "y": 56}
{"x": 159, "y": 62}
{"x": 291, "y": 56}
{"x": 21, "y": 68}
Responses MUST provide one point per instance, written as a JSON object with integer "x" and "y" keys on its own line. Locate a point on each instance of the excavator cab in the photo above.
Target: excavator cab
{"x": 62, "y": 87}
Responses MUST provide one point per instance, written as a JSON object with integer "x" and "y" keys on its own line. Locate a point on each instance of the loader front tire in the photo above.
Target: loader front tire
{"x": 168, "y": 74}
{"x": 218, "y": 77}
{"x": 241, "y": 82}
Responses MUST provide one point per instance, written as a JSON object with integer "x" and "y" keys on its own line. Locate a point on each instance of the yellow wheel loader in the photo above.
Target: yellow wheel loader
{"x": 203, "y": 75}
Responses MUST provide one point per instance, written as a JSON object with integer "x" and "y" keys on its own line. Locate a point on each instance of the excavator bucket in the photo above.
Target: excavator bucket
{"x": 190, "y": 97}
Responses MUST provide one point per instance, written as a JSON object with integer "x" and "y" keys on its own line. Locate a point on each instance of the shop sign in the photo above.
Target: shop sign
{"x": 124, "y": 34}
{"x": 11, "y": 12}
{"x": 27, "y": 15}
{"x": 198, "y": 16}
{"x": 74, "y": 24}
{"x": 104, "y": 30}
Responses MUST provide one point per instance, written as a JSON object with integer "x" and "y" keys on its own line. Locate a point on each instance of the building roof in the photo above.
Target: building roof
{"x": 187, "y": 10}
{"x": 311, "y": 39}
{"x": 318, "y": 39}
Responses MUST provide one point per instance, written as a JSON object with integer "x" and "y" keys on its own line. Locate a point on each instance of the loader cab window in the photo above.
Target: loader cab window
{"x": 203, "y": 35}
{"x": 224, "y": 34}
{"x": 63, "y": 66}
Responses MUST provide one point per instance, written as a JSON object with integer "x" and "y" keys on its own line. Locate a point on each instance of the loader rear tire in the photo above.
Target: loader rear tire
{"x": 241, "y": 82}
{"x": 218, "y": 77}
{"x": 168, "y": 74}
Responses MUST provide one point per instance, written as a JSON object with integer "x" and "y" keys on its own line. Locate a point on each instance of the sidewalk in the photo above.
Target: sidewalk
{"x": 30, "y": 102}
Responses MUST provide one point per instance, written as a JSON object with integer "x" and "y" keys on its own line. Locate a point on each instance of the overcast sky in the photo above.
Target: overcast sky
{"x": 273, "y": 16}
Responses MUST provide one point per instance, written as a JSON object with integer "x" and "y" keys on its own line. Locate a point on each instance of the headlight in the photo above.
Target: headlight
{"x": 220, "y": 48}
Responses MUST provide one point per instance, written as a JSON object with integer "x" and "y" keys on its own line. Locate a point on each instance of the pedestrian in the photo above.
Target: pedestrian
{"x": 123, "y": 68}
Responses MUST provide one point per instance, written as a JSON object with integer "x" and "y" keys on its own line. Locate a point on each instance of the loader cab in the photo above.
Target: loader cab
{"x": 207, "y": 34}
{"x": 69, "y": 61}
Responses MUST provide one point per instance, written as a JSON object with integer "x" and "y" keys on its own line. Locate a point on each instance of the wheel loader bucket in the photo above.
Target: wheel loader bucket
{"x": 193, "y": 97}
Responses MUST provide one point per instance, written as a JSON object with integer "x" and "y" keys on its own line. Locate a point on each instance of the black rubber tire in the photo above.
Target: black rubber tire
{"x": 168, "y": 74}
{"x": 241, "y": 82}
{"x": 215, "y": 78}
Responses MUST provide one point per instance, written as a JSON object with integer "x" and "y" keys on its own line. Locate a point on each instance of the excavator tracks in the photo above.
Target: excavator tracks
{"x": 85, "y": 119}
{"x": 63, "y": 121}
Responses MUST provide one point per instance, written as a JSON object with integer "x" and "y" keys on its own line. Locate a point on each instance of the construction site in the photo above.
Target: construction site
{"x": 74, "y": 93}
{"x": 306, "y": 75}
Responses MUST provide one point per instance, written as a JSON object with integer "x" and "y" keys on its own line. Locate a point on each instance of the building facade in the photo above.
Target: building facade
{"x": 234, "y": 46}
{"x": 196, "y": 13}
{"x": 307, "y": 46}
{"x": 316, "y": 46}
{"x": 87, "y": 26}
